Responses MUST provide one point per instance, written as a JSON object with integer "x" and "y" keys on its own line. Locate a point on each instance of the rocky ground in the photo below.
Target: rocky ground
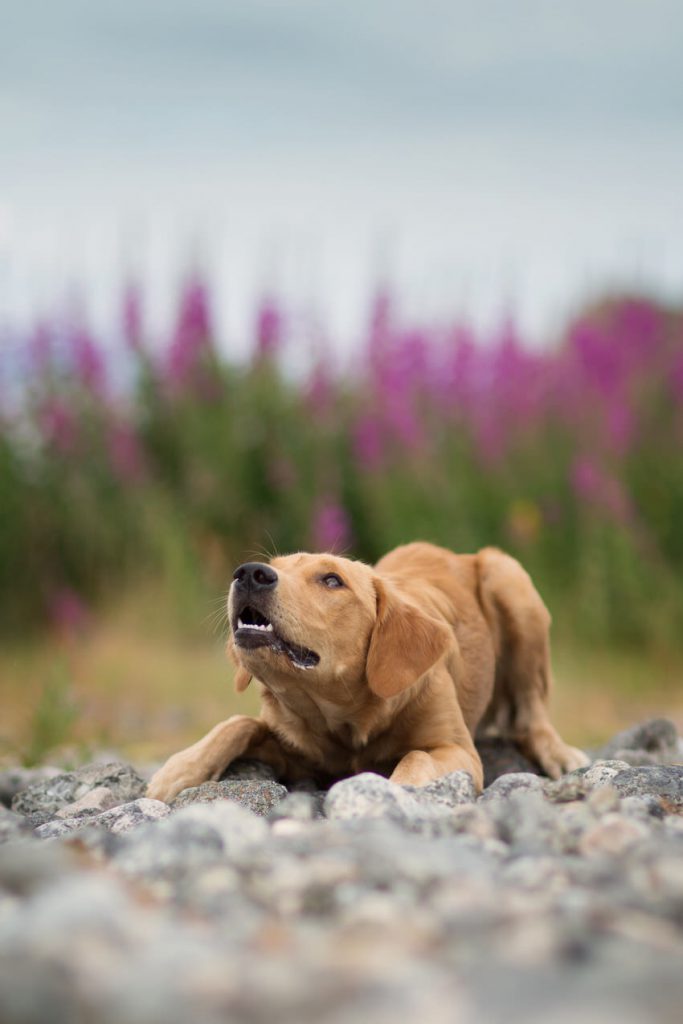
{"x": 537, "y": 902}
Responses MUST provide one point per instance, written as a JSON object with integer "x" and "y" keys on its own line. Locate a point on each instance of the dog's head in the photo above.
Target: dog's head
{"x": 330, "y": 624}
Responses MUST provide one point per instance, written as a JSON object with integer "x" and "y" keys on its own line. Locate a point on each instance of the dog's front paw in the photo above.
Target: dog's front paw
{"x": 560, "y": 758}
{"x": 180, "y": 772}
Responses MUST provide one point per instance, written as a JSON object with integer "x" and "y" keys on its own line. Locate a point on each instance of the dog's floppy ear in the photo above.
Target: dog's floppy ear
{"x": 405, "y": 643}
{"x": 242, "y": 677}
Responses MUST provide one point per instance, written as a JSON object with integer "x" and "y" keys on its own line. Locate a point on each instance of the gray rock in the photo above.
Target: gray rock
{"x": 94, "y": 802}
{"x": 450, "y": 790}
{"x": 189, "y": 840}
{"x": 245, "y": 769}
{"x": 663, "y": 782}
{"x": 510, "y": 783}
{"x": 372, "y": 796}
{"x": 612, "y": 836}
{"x": 297, "y": 807}
{"x": 656, "y": 739}
{"x": 15, "y": 780}
{"x": 500, "y": 756}
{"x": 12, "y": 826}
{"x": 41, "y": 801}
{"x": 119, "y": 819}
{"x": 259, "y": 796}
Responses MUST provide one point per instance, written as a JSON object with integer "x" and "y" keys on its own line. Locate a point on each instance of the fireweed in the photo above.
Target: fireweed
{"x": 568, "y": 456}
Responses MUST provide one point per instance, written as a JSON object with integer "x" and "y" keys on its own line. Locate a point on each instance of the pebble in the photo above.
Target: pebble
{"x": 535, "y": 901}
{"x": 260, "y": 796}
{"x": 43, "y": 799}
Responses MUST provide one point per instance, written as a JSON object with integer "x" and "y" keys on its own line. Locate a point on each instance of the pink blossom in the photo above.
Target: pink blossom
{"x": 131, "y": 316}
{"x": 368, "y": 441}
{"x": 58, "y": 425}
{"x": 598, "y": 489}
{"x": 191, "y": 337}
{"x": 125, "y": 453}
{"x": 330, "y": 529}
{"x": 269, "y": 329}
{"x": 88, "y": 361}
{"x": 68, "y": 611}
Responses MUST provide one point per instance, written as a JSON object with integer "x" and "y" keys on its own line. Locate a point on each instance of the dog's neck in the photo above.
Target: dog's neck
{"x": 349, "y": 721}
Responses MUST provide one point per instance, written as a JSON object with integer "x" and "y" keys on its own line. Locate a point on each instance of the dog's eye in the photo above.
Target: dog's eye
{"x": 332, "y": 580}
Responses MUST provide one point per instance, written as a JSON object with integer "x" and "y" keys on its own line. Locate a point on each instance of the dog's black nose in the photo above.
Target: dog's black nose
{"x": 255, "y": 576}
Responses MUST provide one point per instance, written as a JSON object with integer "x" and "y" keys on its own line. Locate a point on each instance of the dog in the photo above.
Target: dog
{"x": 393, "y": 669}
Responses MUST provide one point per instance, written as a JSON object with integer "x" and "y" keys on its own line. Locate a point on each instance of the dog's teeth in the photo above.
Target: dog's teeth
{"x": 269, "y": 628}
{"x": 240, "y": 624}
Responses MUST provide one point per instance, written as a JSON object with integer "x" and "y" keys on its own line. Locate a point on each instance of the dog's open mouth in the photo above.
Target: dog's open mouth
{"x": 252, "y": 629}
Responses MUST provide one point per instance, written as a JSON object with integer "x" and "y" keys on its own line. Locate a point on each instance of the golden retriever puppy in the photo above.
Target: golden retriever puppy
{"x": 390, "y": 669}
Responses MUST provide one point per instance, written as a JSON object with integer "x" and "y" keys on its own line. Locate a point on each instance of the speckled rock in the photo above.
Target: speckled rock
{"x": 663, "y": 782}
{"x": 653, "y": 742}
{"x": 220, "y": 832}
{"x": 15, "y": 780}
{"x": 372, "y": 796}
{"x": 93, "y": 802}
{"x": 510, "y": 783}
{"x": 540, "y": 901}
{"x": 12, "y": 826}
{"x": 41, "y": 801}
{"x": 259, "y": 796}
{"x": 450, "y": 790}
{"x": 612, "y": 835}
{"x": 297, "y": 807}
{"x": 122, "y": 818}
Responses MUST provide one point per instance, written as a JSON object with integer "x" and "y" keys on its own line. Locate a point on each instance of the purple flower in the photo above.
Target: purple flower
{"x": 88, "y": 362}
{"x": 58, "y": 425}
{"x": 596, "y": 488}
{"x": 68, "y": 611}
{"x": 368, "y": 442}
{"x": 131, "y": 316}
{"x": 125, "y": 453}
{"x": 192, "y": 335}
{"x": 269, "y": 329}
{"x": 320, "y": 391}
{"x": 330, "y": 528}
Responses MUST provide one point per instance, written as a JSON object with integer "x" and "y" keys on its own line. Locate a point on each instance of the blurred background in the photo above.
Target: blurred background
{"x": 292, "y": 275}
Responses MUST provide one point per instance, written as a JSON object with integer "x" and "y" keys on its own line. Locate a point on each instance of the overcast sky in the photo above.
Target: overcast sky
{"x": 482, "y": 155}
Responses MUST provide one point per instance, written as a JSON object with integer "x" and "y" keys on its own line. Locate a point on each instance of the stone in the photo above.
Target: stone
{"x": 600, "y": 773}
{"x": 93, "y": 802}
{"x": 245, "y": 769}
{"x": 122, "y": 818}
{"x": 612, "y": 836}
{"x": 259, "y": 796}
{"x": 655, "y": 741}
{"x": 190, "y": 839}
{"x": 450, "y": 790}
{"x": 41, "y": 801}
{"x": 13, "y": 826}
{"x": 500, "y": 756}
{"x": 372, "y": 796}
{"x": 15, "y": 780}
{"x": 663, "y": 782}
{"x": 297, "y": 807}
{"x": 504, "y": 785}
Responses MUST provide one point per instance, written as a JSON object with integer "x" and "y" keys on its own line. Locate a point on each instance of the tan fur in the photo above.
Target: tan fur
{"x": 416, "y": 654}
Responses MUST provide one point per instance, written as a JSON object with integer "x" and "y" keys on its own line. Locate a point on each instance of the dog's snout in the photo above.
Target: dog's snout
{"x": 255, "y": 576}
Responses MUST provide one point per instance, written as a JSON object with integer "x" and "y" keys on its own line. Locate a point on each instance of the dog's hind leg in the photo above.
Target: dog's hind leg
{"x": 521, "y": 624}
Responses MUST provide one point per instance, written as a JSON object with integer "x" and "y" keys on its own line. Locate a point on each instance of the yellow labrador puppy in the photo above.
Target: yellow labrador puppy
{"x": 390, "y": 668}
